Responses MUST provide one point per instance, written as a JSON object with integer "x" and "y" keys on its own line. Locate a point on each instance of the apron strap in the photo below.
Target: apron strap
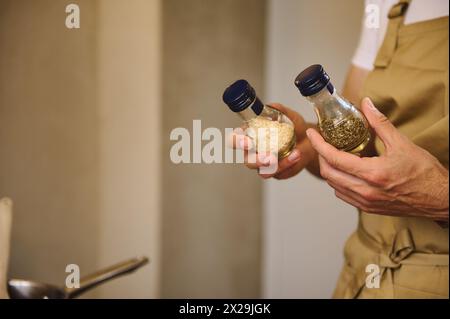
{"x": 396, "y": 17}
{"x": 392, "y": 257}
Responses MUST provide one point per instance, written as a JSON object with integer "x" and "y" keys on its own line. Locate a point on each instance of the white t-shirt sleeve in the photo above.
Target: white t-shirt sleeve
{"x": 366, "y": 51}
{"x": 371, "y": 38}
{"x": 368, "y": 45}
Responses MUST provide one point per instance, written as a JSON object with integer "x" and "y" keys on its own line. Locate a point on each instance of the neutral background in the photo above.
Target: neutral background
{"x": 211, "y": 214}
{"x": 85, "y": 117}
{"x": 79, "y": 133}
{"x": 305, "y": 225}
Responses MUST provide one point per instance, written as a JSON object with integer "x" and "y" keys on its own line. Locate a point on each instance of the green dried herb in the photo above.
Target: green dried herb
{"x": 345, "y": 134}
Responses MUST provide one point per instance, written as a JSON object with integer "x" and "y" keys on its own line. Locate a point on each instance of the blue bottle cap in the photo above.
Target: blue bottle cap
{"x": 312, "y": 80}
{"x": 240, "y": 95}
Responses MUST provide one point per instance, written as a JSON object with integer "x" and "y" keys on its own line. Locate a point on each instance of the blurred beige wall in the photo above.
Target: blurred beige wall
{"x": 129, "y": 103}
{"x": 305, "y": 226}
{"x": 49, "y": 137}
{"x": 85, "y": 118}
{"x": 79, "y": 114}
{"x": 211, "y": 213}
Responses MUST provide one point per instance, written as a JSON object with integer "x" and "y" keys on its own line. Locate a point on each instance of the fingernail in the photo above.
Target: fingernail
{"x": 294, "y": 156}
{"x": 264, "y": 159}
{"x": 242, "y": 143}
{"x": 308, "y": 133}
{"x": 372, "y": 106}
{"x": 245, "y": 143}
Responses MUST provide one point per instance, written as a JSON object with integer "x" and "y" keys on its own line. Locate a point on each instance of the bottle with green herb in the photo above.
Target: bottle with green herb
{"x": 340, "y": 122}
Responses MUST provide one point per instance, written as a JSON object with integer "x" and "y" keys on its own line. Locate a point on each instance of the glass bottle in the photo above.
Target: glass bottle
{"x": 340, "y": 122}
{"x": 261, "y": 121}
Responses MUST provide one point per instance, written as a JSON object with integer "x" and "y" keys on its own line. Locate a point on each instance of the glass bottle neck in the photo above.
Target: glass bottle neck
{"x": 323, "y": 96}
{"x": 264, "y": 111}
{"x": 247, "y": 114}
{"x": 253, "y": 110}
{"x": 328, "y": 96}
{"x": 329, "y": 104}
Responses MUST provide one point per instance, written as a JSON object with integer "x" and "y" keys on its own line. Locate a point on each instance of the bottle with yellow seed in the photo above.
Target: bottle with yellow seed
{"x": 270, "y": 130}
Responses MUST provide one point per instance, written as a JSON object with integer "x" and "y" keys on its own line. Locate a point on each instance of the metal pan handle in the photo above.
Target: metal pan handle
{"x": 106, "y": 274}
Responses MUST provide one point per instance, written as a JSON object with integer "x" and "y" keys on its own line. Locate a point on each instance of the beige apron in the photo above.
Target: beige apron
{"x": 410, "y": 85}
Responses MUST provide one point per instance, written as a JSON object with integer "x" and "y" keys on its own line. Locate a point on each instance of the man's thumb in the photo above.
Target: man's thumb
{"x": 379, "y": 122}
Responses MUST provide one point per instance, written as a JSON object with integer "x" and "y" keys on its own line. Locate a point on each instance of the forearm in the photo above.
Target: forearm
{"x": 441, "y": 216}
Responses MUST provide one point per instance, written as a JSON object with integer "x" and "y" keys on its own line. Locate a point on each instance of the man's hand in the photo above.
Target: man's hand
{"x": 301, "y": 156}
{"x": 405, "y": 181}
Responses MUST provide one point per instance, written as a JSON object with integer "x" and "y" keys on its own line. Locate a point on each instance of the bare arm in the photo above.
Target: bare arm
{"x": 353, "y": 85}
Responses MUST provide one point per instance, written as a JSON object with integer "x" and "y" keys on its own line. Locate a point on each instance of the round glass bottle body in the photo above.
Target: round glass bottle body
{"x": 270, "y": 130}
{"x": 340, "y": 122}
{"x": 265, "y": 125}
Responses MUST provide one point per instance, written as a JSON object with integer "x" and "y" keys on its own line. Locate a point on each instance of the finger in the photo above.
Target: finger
{"x": 296, "y": 118}
{"x": 365, "y": 208}
{"x": 287, "y": 173}
{"x": 290, "y": 160}
{"x": 352, "y": 186}
{"x": 342, "y": 161}
{"x": 291, "y": 170}
{"x": 254, "y": 160}
{"x": 338, "y": 177}
{"x": 349, "y": 200}
{"x": 299, "y": 164}
{"x": 350, "y": 194}
{"x": 384, "y": 129}
{"x": 372, "y": 203}
{"x": 282, "y": 165}
{"x": 238, "y": 140}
